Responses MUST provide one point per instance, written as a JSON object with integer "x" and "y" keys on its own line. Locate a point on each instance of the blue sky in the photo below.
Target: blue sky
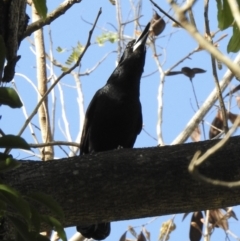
{"x": 179, "y": 103}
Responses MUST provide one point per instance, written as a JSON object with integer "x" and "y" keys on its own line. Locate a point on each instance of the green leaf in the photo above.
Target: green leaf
{"x": 7, "y": 163}
{"x": 8, "y": 96}
{"x": 22, "y": 229}
{"x": 11, "y": 141}
{"x": 60, "y": 50}
{"x": 111, "y": 37}
{"x": 100, "y": 42}
{"x": 80, "y": 47}
{"x": 75, "y": 54}
{"x": 224, "y": 15}
{"x": 13, "y": 199}
{"x": 2, "y": 54}
{"x": 41, "y": 7}
{"x": 9, "y": 189}
{"x": 64, "y": 69}
{"x": 234, "y": 43}
{"x": 49, "y": 202}
{"x": 73, "y": 57}
{"x": 53, "y": 222}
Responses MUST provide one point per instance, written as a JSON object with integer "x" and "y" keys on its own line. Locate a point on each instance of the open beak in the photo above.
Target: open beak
{"x": 142, "y": 39}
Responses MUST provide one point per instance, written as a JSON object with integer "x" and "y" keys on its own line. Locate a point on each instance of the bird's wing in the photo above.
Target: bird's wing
{"x": 138, "y": 129}
{"x": 84, "y": 144}
{"x": 140, "y": 124}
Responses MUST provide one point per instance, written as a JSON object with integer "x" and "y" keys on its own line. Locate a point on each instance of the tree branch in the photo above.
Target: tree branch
{"x": 50, "y": 17}
{"x": 132, "y": 183}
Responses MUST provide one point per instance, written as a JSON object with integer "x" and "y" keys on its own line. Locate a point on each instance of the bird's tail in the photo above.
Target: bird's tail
{"x": 96, "y": 231}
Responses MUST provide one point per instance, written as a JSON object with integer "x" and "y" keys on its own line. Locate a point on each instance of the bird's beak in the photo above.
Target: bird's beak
{"x": 142, "y": 38}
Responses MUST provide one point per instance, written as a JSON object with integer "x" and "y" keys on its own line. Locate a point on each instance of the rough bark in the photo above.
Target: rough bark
{"x": 13, "y": 22}
{"x": 132, "y": 183}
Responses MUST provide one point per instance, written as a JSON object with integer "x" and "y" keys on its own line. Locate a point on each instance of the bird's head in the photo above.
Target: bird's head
{"x": 130, "y": 67}
{"x": 136, "y": 48}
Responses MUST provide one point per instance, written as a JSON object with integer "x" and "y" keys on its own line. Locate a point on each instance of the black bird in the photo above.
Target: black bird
{"x": 190, "y": 73}
{"x": 114, "y": 116}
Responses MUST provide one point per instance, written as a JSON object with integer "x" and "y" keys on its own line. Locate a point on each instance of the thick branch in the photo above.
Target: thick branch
{"x": 127, "y": 184}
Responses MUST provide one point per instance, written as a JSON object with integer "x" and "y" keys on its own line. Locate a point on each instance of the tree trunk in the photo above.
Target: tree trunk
{"x": 13, "y": 22}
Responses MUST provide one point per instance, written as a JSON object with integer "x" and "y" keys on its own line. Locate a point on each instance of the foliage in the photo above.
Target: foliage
{"x": 226, "y": 20}
{"x": 102, "y": 39}
{"x": 41, "y": 7}
{"x": 22, "y": 214}
{"x": 15, "y": 207}
{"x": 76, "y": 51}
{"x": 8, "y": 96}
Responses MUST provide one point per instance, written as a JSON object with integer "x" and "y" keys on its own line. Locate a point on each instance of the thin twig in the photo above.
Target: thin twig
{"x": 168, "y": 228}
{"x": 133, "y": 20}
{"x": 26, "y": 116}
{"x": 64, "y": 116}
{"x": 52, "y": 74}
{"x": 77, "y": 237}
{"x": 147, "y": 133}
{"x": 54, "y": 143}
{"x": 206, "y": 222}
{"x": 181, "y": 60}
{"x": 160, "y": 94}
{"x": 120, "y": 29}
{"x": 87, "y": 71}
{"x": 80, "y": 101}
{"x": 195, "y": 96}
{"x": 162, "y": 11}
{"x": 191, "y": 17}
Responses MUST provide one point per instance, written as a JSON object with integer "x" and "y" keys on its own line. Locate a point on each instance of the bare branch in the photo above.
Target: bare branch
{"x": 120, "y": 29}
{"x": 160, "y": 94}
{"x": 162, "y": 11}
{"x": 55, "y": 143}
{"x": 181, "y": 60}
{"x": 52, "y": 79}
